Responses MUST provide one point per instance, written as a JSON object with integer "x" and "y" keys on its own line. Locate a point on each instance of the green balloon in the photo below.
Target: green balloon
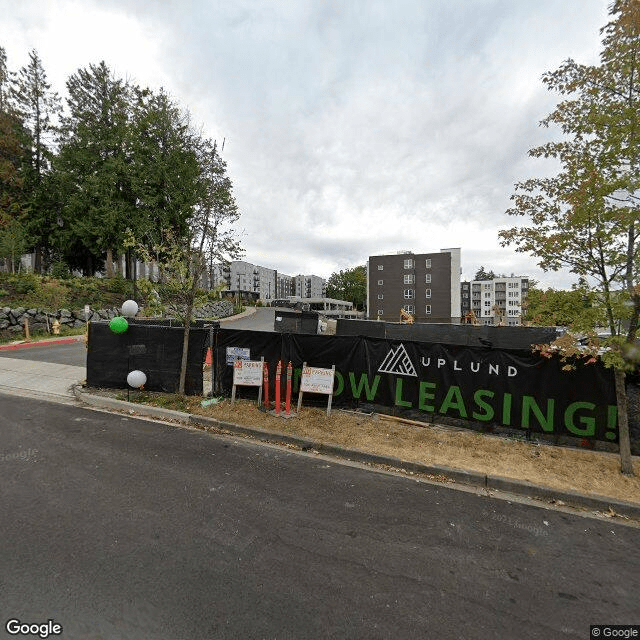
{"x": 118, "y": 324}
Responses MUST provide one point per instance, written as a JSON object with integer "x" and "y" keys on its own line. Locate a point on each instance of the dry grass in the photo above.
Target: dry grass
{"x": 586, "y": 471}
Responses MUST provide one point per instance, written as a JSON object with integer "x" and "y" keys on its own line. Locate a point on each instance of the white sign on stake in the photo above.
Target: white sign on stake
{"x": 235, "y": 353}
{"x": 316, "y": 380}
{"x": 247, "y": 373}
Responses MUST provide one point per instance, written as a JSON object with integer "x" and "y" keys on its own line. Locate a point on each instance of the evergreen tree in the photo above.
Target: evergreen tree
{"x": 13, "y": 153}
{"x": 165, "y": 167}
{"x": 94, "y": 169}
{"x": 38, "y": 108}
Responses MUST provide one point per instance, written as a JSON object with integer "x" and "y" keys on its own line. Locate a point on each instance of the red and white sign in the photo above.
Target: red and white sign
{"x": 247, "y": 373}
{"x": 316, "y": 380}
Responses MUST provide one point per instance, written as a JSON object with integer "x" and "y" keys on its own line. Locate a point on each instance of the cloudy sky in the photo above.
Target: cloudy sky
{"x": 351, "y": 127}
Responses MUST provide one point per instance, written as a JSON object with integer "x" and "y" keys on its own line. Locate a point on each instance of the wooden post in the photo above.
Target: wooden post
{"x": 289, "y": 376}
{"x": 27, "y": 335}
{"x": 265, "y": 377}
{"x": 304, "y": 364}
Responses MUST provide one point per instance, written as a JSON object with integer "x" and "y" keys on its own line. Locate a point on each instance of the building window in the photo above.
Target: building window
{"x": 428, "y": 278}
{"x": 428, "y": 293}
{"x": 427, "y": 310}
{"x": 408, "y": 264}
{"x": 380, "y": 282}
{"x": 380, "y": 296}
{"x": 409, "y": 294}
{"x": 380, "y": 267}
{"x": 409, "y": 278}
{"x": 409, "y": 308}
{"x": 427, "y": 263}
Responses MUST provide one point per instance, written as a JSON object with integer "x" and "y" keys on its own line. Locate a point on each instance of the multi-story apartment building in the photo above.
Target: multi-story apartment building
{"x": 245, "y": 280}
{"x": 286, "y": 286}
{"x": 426, "y": 285}
{"x": 310, "y": 286}
{"x": 253, "y": 282}
{"x": 497, "y": 301}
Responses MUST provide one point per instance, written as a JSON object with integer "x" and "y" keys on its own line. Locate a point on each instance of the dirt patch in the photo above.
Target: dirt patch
{"x": 565, "y": 468}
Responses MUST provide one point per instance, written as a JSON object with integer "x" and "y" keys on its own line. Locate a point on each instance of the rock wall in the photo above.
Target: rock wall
{"x": 13, "y": 320}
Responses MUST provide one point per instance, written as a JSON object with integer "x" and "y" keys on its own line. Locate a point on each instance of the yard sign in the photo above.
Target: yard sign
{"x": 247, "y": 373}
{"x": 316, "y": 380}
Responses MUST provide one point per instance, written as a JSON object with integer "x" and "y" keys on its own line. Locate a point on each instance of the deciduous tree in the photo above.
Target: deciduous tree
{"x": 585, "y": 218}
{"x": 350, "y": 285}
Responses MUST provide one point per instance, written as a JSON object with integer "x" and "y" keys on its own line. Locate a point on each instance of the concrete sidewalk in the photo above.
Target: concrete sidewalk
{"x": 44, "y": 380}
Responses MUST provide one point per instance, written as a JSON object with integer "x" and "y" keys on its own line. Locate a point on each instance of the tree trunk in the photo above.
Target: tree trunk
{"x": 185, "y": 347}
{"x": 626, "y": 465}
{"x": 37, "y": 267}
{"x": 108, "y": 265}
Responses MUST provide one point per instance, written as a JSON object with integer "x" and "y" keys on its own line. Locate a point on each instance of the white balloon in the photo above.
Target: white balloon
{"x": 129, "y": 308}
{"x": 136, "y": 379}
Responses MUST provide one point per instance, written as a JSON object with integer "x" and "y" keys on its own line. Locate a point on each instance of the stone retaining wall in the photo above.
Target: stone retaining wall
{"x": 13, "y": 320}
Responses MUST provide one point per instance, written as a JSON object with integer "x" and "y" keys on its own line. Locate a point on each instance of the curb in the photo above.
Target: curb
{"x": 459, "y": 476}
{"x": 41, "y": 343}
{"x": 249, "y": 311}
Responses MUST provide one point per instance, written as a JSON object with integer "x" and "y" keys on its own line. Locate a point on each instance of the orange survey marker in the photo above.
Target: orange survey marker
{"x": 278, "y": 375}
{"x": 266, "y": 385}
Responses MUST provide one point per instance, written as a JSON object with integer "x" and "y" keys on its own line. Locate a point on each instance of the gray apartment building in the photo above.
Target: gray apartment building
{"x": 497, "y": 301}
{"x": 426, "y": 285}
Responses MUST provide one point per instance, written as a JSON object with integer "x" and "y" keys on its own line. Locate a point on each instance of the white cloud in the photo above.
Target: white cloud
{"x": 351, "y": 128}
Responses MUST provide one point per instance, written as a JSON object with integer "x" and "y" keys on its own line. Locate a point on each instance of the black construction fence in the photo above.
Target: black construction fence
{"x": 151, "y": 347}
{"x": 507, "y": 388}
{"x": 460, "y": 334}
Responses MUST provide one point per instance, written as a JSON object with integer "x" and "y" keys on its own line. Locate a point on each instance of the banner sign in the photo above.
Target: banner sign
{"x": 516, "y": 389}
{"x": 247, "y": 373}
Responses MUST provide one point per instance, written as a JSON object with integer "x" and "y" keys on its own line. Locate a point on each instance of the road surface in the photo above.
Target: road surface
{"x": 116, "y": 527}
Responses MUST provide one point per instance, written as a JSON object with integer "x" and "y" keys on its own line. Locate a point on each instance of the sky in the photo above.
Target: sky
{"x": 351, "y": 127}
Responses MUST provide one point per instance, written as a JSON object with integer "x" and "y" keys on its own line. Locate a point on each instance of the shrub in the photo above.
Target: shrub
{"x": 60, "y": 270}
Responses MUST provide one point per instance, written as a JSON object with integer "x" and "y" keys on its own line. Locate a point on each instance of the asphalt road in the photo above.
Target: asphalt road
{"x": 262, "y": 320}
{"x": 116, "y": 527}
{"x": 74, "y": 353}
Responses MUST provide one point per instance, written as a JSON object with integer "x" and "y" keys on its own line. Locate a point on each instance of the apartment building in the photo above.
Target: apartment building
{"x": 426, "y": 285}
{"x": 253, "y": 282}
{"x": 497, "y": 301}
{"x": 247, "y": 281}
{"x": 310, "y": 286}
{"x": 286, "y": 286}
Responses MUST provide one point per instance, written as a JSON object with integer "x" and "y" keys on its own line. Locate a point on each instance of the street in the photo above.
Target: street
{"x": 116, "y": 527}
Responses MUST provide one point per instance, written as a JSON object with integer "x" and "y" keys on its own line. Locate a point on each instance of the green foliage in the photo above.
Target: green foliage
{"x": 585, "y": 217}
{"x": 13, "y": 241}
{"x": 24, "y": 283}
{"x": 60, "y": 270}
{"x": 579, "y": 308}
{"x": 349, "y": 285}
{"x": 481, "y": 274}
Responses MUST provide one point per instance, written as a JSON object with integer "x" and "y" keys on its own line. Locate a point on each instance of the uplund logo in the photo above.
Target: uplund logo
{"x": 397, "y": 361}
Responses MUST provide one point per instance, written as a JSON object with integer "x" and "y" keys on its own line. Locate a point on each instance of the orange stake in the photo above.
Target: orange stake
{"x": 289, "y": 376}
{"x": 265, "y": 378}
{"x": 278, "y": 374}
